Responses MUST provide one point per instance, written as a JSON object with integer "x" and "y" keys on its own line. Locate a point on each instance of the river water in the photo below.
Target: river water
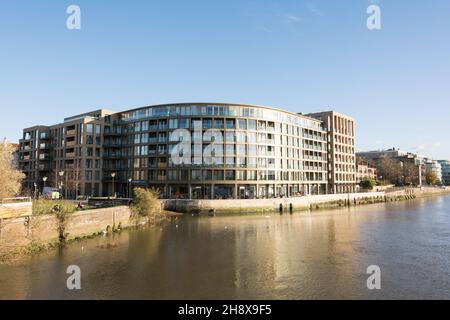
{"x": 319, "y": 255}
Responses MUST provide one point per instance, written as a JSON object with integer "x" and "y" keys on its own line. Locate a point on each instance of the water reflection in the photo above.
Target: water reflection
{"x": 305, "y": 256}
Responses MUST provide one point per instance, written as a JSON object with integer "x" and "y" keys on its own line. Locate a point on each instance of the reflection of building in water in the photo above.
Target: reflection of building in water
{"x": 297, "y": 256}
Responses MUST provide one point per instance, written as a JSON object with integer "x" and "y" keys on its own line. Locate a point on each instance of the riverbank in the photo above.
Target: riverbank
{"x": 318, "y": 202}
{"x": 30, "y": 234}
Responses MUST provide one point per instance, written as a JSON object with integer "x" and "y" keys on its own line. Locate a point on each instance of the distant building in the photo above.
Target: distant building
{"x": 435, "y": 167}
{"x": 445, "y": 168}
{"x": 413, "y": 164}
{"x": 364, "y": 170}
{"x": 379, "y": 154}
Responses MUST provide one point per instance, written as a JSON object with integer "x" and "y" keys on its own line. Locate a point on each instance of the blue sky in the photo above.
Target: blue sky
{"x": 303, "y": 56}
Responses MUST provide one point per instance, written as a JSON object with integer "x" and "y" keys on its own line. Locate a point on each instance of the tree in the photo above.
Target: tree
{"x": 390, "y": 169}
{"x": 146, "y": 202}
{"x": 411, "y": 173}
{"x": 368, "y": 184}
{"x": 10, "y": 177}
{"x": 431, "y": 178}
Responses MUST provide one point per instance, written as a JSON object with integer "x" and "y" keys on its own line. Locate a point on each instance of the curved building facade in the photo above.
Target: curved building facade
{"x": 227, "y": 151}
{"x": 256, "y": 151}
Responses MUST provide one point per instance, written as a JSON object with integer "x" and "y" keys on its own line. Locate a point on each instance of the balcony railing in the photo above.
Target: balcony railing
{"x": 70, "y": 132}
{"x": 70, "y": 143}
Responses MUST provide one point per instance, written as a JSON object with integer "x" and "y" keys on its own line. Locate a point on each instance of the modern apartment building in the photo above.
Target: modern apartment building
{"x": 67, "y": 156}
{"x": 434, "y": 167}
{"x": 445, "y": 169}
{"x": 341, "y": 150}
{"x": 233, "y": 151}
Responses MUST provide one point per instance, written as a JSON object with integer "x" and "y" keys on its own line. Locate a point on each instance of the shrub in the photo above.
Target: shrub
{"x": 368, "y": 184}
{"x": 146, "y": 202}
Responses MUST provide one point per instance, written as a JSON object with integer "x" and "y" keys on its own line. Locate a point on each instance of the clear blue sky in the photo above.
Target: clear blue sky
{"x": 303, "y": 56}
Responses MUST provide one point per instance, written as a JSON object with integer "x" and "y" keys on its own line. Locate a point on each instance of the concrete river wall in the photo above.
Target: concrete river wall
{"x": 298, "y": 204}
{"x": 271, "y": 205}
{"x": 21, "y": 232}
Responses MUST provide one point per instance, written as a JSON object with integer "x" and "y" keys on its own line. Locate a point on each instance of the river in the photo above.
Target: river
{"x": 319, "y": 255}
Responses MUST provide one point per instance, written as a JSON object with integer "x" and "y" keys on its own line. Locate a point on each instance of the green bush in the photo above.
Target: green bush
{"x": 368, "y": 184}
{"x": 146, "y": 202}
{"x": 44, "y": 206}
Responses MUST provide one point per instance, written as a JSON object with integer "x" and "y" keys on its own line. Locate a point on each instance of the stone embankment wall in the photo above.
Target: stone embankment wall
{"x": 21, "y": 232}
{"x": 298, "y": 204}
{"x": 18, "y": 209}
{"x": 272, "y": 205}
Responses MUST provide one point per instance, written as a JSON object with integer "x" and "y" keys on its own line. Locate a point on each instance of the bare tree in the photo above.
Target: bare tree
{"x": 390, "y": 169}
{"x": 10, "y": 177}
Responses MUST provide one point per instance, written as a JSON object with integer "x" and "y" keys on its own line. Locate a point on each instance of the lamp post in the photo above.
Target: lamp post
{"x": 61, "y": 174}
{"x": 45, "y": 180}
{"x": 35, "y": 189}
{"x": 113, "y": 175}
{"x": 129, "y": 188}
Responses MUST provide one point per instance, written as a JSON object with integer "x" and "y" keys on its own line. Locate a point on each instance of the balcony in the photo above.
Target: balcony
{"x": 26, "y": 158}
{"x": 43, "y": 167}
{"x": 70, "y": 132}
{"x": 44, "y": 146}
{"x": 70, "y": 154}
{"x": 112, "y": 133}
{"x": 44, "y": 136}
{"x": 26, "y": 148}
{"x": 44, "y": 156}
{"x": 70, "y": 143}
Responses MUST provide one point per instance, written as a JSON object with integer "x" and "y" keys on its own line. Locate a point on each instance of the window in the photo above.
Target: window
{"x": 230, "y": 150}
{"x": 218, "y": 123}
{"x": 231, "y": 124}
{"x": 251, "y": 175}
{"x": 229, "y": 162}
{"x": 145, "y": 126}
{"x": 90, "y": 128}
{"x": 207, "y": 123}
{"x": 230, "y": 136}
{"x": 196, "y": 174}
{"x": 173, "y": 124}
{"x": 240, "y": 175}
{"x": 230, "y": 175}
{"x": 241, "y": 162}
{"x": 241, "y": 150}
{"x": 183, "y": 123}
{"x": 218, "y": 175}
{"x": 207, "y": 174}
{"x": 242, "y": 124}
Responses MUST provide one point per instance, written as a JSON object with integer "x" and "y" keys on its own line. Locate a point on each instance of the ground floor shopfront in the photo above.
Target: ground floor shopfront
{"x": 241, "y": 191}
